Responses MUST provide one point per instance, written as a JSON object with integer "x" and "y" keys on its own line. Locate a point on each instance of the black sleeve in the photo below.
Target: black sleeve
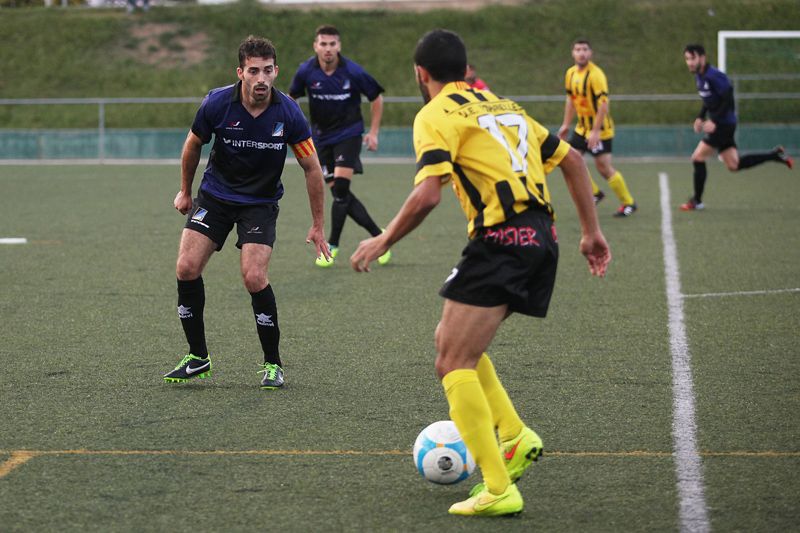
{"x": 703, "y": 111}
{"x": 726, "y": 100}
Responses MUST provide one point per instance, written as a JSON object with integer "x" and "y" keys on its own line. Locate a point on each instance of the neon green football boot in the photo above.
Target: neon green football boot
{"x": 326, "y": 263}
{"x": 487, "y": 504}
{"x": 190, "y": 367}
{"x": 385, "y": 258}
{"x": 518, "y": 454}
{"x": 273, "y": 376}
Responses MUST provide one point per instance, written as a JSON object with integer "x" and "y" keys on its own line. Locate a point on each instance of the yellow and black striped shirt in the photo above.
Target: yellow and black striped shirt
{"x": 588, "y": 88}
{"x": 494, "y": 153}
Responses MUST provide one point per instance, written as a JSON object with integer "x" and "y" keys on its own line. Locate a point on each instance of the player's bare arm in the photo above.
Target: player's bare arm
{"x": 190, "y": 158}
{"x": 594, "y": 135}
{"x": 422, "y": 200}
{"x": 316, "y": 198}
{"x": 569, "y": 113}
{"x": 593, "y": 244}
{"x": 709, "y": 126}
{"x": 376, "y": 113}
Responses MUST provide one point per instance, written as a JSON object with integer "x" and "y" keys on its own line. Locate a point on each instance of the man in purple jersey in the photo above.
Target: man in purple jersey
{"x": 334, "y": 85}
{"x": 720, "y": 125}
{"x": 252, "y": 124}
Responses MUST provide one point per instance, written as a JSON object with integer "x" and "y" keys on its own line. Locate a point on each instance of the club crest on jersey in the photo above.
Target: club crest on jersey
{"x": 346, "y": 85}
{"x": 277, "y": 129}
{"x": 200, "y": 214}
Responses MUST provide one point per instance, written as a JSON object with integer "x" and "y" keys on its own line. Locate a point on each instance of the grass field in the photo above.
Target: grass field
{"x": 93, "y": 439}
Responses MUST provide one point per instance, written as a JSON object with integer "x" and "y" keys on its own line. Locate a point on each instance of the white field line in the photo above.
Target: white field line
{"x": 740, "y": 293}
{"x": 13, "y": 240}
{"x": 688, "y": 465}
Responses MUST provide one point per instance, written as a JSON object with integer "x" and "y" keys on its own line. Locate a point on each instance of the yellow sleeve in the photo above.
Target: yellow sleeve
{"x": 600, "y": 86}
{"x": 551, "y": 148}
{"x": 566, "y": 82}
{"x": 434, "y": 152}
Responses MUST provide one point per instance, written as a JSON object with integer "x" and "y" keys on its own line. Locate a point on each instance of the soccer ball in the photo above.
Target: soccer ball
{"x": 441, "y": 456}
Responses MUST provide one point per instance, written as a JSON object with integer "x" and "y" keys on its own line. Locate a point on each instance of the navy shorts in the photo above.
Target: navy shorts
{"x": 512, "y": 263}
{"x": 215, "y": 219}
{"x": 579, "y": 143}
{"x": 722, "y": 137}
{"x": 344, "y": 154}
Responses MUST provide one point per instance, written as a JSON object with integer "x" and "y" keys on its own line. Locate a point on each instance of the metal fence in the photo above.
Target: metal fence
{"x": 102, "y": 143}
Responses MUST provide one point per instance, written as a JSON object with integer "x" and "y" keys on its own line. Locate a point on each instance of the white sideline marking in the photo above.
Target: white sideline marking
{"x": 739, "y": 293}
{"x": 688, "y": 466}
{"x": 13, "y": 240}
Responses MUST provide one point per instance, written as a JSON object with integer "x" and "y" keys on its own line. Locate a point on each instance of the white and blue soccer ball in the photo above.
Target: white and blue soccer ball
{"x": 441, "y": 456}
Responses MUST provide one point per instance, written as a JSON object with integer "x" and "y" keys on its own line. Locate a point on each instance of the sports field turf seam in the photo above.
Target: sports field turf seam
{"x": 20, "y": 457}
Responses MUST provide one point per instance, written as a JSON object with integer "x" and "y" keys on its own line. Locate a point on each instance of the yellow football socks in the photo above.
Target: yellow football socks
{"x": 595, "y": 188}
{"x": 470, "y": 411}
{"x": 617, "y": 184}
{"x": 504, "y": 415}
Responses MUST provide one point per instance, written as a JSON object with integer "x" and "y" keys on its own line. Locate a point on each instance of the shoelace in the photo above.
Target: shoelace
{"x": 184, "y": 361}
{"x": 270, "y": 369}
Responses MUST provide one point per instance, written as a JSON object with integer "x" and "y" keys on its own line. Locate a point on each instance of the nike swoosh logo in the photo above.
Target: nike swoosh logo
{"x": 510, "y": 454}
{"x": 190, "y": 370}
{"x": 483, "y": 506}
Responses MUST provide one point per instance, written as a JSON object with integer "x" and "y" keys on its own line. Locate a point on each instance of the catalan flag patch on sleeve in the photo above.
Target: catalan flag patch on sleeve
{"x": 304, "y": 149}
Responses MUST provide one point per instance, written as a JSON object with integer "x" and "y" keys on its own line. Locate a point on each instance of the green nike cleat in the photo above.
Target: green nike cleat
{"x": 518, "y": 454}
{"x": 385, "y": 258}
{"x": 487, "y": 504}
{"x": 273, "y": 376}
{"x": 321, "y": 262}
{"x": 190, "y": 367}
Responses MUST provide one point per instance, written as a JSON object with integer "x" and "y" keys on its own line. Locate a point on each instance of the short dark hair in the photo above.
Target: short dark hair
{"x": 582, "y": 41}
{"x": 443, "y": 54}
{"x": 695, "y": 49}
{"x": 256, "y": 47}
{"x": 326, "y": 29}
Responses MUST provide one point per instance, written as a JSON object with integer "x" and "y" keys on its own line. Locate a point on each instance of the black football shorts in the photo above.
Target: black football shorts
{"x": 215, "y": 219}
{"x": 512, "y": 263}
{"x": 579, "y": 143}
{"x": 722, "y": 138}
{"x": 344, "y": 154}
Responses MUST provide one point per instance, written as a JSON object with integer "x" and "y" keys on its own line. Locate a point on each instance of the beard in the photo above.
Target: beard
{"x": 426, "y": 94}
{"x": 260, "y": 97}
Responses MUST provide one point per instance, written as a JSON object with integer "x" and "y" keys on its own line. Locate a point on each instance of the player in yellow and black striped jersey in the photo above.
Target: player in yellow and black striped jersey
{"x": 496, "y": 158}
{"x": 587, "y": 96}
{"x": 506, "y": 154}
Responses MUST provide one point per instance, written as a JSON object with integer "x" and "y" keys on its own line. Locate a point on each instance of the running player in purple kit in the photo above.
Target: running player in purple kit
{"x": 718, "y": 105}
{"x": 334, "y": 85}
{"x": 252, "y": 124}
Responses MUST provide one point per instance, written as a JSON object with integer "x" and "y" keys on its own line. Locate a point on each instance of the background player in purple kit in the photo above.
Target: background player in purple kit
{"x": 720, "y": 125}
{"x": 334, "y": 85}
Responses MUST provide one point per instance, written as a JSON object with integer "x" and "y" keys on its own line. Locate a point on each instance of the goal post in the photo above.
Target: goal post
{"x": 724, "y": 35}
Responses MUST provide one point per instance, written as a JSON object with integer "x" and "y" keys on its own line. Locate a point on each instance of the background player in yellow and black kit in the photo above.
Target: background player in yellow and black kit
{"x": 496, "y": 158}
{"x": 587, "y": 95}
